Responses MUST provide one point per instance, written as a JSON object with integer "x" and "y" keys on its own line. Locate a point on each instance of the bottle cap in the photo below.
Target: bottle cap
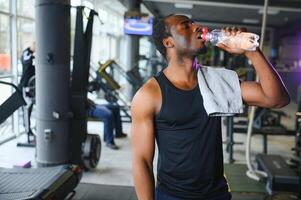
{"x": 204, "y": 33}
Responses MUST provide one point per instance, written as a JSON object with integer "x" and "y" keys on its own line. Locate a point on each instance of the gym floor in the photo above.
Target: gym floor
{"x": 114, "y": 167}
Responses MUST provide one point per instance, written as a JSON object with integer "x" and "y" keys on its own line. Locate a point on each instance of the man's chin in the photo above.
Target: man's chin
{"x": 202, "y": 50}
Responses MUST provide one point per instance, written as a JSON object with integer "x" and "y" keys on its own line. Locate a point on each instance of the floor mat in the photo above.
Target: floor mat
{"x": 86, "y": 191}
{"x": 239, "y": 182}
{"x": 248, "y": 196}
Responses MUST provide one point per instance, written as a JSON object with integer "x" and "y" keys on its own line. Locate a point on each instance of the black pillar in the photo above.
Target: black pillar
{"x": 52, "y": 81}
{"x": 132, "y": 46}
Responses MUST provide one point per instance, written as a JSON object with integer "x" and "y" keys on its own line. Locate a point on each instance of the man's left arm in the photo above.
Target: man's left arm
{"x": 269, "y": 92}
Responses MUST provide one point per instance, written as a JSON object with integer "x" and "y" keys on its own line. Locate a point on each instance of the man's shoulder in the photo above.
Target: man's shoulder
{"x": 149, "y": 89}
{"x": 148, "y": 95}
{"x": 27, "y": 54}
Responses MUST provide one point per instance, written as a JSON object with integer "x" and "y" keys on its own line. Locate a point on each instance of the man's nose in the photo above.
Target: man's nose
{"x": 196, "y": 27}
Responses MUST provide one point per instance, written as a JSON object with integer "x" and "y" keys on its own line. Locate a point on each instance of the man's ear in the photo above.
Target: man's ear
{"x": 168, "y": 42}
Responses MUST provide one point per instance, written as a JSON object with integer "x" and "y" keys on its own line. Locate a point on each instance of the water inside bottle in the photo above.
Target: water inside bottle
{"x": 246, "y": 41}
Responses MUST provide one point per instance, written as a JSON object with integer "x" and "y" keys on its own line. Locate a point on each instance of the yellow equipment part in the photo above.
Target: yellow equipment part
{"x": 102, "y": 72}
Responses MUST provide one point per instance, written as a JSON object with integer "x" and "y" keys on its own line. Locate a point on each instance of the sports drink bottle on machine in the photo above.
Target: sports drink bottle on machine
{"x": 243, "y": 40}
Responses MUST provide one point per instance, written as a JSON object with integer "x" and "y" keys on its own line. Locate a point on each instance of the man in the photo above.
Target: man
{"x": 28, "y": 68}
{"x": 110, "y": 115}
{"x": 28, "y": 73}
{"x": 169, "y": 108}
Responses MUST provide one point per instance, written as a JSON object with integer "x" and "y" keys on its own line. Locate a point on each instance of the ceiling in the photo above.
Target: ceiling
{"x": 213, "y": 13}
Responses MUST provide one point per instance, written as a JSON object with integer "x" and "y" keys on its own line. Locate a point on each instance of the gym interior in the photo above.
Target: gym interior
{"x": 101, "y": 51}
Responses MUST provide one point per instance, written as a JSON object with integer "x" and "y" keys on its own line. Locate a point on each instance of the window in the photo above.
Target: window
{"x": 5, "y": 58}
{"x": 25, "y": 8}
{"x": 25, "y": 34}
{"x": 4, "y": 5}
{"x": 25, "y": 38}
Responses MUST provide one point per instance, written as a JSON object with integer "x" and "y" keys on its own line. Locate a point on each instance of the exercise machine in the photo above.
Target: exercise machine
{"x": 266, "y": 122}
{"x": 132, "y": 76}
{"x": 28, "y": 92}
{"x": 280, "y": 175}
{"x": 40, "y": 183}
{"x": 104, "y": 81}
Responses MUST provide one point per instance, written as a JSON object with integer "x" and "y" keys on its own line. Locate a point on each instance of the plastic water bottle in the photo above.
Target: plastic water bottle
{"x": 244, "y": 40}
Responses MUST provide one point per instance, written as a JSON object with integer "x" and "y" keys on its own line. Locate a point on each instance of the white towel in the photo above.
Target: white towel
{"x": 220, "y": 89}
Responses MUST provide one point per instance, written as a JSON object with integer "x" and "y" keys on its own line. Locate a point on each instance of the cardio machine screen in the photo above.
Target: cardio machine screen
{"x": 138, "y": 25}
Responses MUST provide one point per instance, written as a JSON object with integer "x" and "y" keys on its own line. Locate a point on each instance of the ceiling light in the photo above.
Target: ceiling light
{"x": 271, "y": 11}
{"x": 184, "y": 5}
{"x": 250, "y": 21}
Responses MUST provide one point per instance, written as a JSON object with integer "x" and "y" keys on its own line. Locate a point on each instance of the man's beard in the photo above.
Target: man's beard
{"x": 192, "y": 53}
{"x": 202, "y": 50}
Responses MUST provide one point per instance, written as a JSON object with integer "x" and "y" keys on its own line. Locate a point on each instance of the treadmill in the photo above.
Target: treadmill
{"x": 38, "y": 183}
{"x": 280, "y": 175}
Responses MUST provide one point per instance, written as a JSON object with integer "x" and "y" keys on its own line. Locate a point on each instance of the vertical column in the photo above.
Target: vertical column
{"x": 52, "y": 81}
{"x": 153, "y": 67}
{"x": 14, "y": 57}
{"x": 274, "y": 44}
{"x": 132, "y": 41}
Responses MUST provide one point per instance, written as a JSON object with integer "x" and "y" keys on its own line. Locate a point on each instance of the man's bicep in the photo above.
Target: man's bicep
{"x": 252, "y": 94}
{"x": 143, "y": 139}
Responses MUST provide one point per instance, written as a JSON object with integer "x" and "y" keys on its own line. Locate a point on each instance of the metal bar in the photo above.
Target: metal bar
{"x": 263, "y": 25}
{"x": 25, "y": 17}
{"x": 6, "y": 76}
{"x": 265, "y": 143}
{"x": 230, "y": 141}
{"x": 251, "y": 171}
{"x": 5, "y": 13}
{"x": 14, "y": 58}
{"x": 15, "y": 14}
{"x": 229, "y": 5}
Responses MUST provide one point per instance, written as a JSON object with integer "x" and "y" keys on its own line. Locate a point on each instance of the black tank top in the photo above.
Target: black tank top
{"x": 190, "y": 160}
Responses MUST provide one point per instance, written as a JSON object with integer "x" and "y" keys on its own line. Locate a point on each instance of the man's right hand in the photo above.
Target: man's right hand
{"x": 228, "y": 31}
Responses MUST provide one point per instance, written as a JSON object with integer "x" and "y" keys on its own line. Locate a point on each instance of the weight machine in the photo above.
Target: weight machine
{"x": 104, "y": 81}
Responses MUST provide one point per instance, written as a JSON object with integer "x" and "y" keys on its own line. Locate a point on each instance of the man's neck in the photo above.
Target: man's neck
{"x": 181, "y": 73}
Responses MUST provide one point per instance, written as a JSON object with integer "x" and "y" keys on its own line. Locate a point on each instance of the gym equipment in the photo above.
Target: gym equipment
{"x": 297, "y": 147}
{"x": 132, "y": 76}
{"x": 230, "y": 141}
{"x": 281, "y": 176}
{"x": 266, "y": 122}
{"x": 85, "y": 148}
{"x": 29, "y": 96}
{"x": 11, "y": 104}
{"x": 269, "y": 119}
{"x": 251, "y": 172}
{"x": 91, "y": 151}
{"x": 40, "y": 183}
{"x": 106, "y": 83}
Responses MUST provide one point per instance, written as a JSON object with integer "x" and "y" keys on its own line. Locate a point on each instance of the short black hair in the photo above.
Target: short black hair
{"x": 160, "y": 32}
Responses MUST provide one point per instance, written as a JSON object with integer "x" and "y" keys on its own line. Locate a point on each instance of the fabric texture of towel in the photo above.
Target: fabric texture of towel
{"x": 220, "y": 89}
